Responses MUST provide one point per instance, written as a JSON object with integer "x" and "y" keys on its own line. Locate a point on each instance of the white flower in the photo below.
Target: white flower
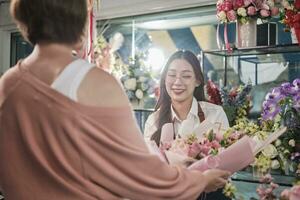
{"x": 285, "y": 4}
{"x": 222, "y": 16}
{"x": 130, "y": 84}
{"x": 270, "y": 151}
{"x": 277, "y": 143}
{"x": 242, "y": 12}
{"x": 275, "y": 164}
{"x": 142, "y": 78}
{"x": 144, "y": 86}
{"x": 139, "y": 94}
{"x": 292, "y": 143}
{"x": 271, "y": 3}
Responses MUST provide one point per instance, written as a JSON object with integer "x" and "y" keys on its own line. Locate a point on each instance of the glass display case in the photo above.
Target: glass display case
{"x": 264, "y": 66}
{"x": 289, "y": 54}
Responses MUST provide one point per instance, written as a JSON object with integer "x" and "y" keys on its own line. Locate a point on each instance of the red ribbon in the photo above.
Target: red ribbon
{"x": 91, "y": 33}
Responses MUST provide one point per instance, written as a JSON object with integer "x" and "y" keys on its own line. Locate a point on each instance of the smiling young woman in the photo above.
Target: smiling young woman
{"x": 181, "y": 99}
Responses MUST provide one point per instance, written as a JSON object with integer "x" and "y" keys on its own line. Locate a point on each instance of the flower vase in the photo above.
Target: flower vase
{"x": 246, "y": 33}
{"x": 259, "y": 173}
{"x": 137, "y": 104}
{"x": 295, "y": 35}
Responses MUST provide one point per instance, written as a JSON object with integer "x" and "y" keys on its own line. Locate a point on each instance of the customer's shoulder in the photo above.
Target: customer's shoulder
{"x": 102, "y": 88}
{"x": 10, "y": 78}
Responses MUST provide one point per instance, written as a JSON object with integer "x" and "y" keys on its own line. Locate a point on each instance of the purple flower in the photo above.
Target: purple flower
{"x": 276, "y": 95}
{"x": 288, "y": 89}
{"x": 296, "y": 101}
{"x": 270, "y": 110}
{"x": 296, "y": 84}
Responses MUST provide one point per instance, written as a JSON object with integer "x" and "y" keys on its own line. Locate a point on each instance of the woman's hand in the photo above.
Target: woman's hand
{"x": 215, "y": 179}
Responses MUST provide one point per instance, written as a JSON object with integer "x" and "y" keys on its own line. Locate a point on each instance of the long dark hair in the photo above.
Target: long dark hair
{"x": 163, "y": 105}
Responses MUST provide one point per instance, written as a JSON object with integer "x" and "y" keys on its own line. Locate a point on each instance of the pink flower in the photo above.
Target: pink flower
{"x": 264, "y": 13}
{"x": 238, "y": 4}
{"x": 227, "y": 5}
{"x": 215, "y": 144}
{"x": 251, "y": 11}
{"x": 247, "y": 2}
{"x": 264, "y": 6}
{"x": 295, "y": 192}
{"x": 285, "y": 194}
{"x": 274, "y": 11}
{"x": 194, "y": 150}
{"x": 231, "y": 15}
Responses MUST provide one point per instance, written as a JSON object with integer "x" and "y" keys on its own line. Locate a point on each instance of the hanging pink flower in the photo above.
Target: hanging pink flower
{"x": 264, "y": 13}
{"x": 227, "y": 5}
{"x": 274, "y": 11}
{"x": 251, "y": 11}
{"x": 238, "y": 4}
{"x": 231, "y": 15}
{"x": 247, "y": 2}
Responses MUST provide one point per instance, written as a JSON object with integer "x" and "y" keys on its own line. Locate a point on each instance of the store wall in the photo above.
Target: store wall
{"x": 116, "y": 8}
{"x": 109, "y": 9}
{"x": 6, "y": 28}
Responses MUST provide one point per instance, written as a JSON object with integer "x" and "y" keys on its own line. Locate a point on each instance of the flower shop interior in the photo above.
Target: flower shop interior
{"x": 250, "y": 57}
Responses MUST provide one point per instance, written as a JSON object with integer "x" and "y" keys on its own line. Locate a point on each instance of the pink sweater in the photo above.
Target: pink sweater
{"x": 54, "y": 148}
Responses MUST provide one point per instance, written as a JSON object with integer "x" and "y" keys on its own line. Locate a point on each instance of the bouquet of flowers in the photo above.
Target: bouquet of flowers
{"x": 187, "y": 151}
{"x": 235, "y": 101}
{"x": 243, "y": 10}
{"x": 290, "y": 16}
{"x": 137, "y": 81}
{"x": 212, "y": 150}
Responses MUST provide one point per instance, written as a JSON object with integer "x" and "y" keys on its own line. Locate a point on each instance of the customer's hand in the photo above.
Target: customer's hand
{"x": 215, "y": 179}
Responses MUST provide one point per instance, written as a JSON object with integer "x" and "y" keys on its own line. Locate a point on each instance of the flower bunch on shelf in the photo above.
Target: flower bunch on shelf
{"x": 235, "y": 101}
{"x": 282, "y": 106}
{"x": 290, "y": 14}
{"x": 138, "y": 81}
{"x": 213, "y": 93}
{"x": 266, "y": 190}
{"x": 243, "y": 10}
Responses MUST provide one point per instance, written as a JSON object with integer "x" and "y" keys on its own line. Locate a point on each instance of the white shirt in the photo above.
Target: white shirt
{"x": 213, "y": 114}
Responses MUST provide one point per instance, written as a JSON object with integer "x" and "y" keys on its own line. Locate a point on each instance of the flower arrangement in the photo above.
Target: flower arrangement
{"x": 282, "y": 106}
{"x": 235, "y": 101}
{"x": 243, "y": 10}
{"x": 267, "y": 187}
{"x": 137, "y": 81}
{"x": 290, "y": 16}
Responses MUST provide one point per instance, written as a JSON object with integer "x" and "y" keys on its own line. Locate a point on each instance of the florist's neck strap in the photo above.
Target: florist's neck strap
{"x": 200, "y": 113}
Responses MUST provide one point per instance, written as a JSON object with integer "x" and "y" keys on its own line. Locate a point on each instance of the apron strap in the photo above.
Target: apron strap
{"x": 200, "y": 113}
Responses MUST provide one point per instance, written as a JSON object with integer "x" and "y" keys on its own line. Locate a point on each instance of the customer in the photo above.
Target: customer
{"x": 67, "y": 130}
